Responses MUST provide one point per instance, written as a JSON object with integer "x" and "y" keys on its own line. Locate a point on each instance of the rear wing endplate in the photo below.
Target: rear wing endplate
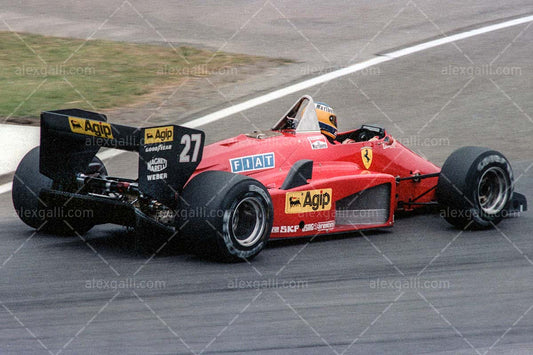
{"x": 168, "y": 155}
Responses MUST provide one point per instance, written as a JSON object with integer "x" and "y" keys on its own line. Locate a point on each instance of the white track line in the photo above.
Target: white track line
{"x": 215, "y": 116}
{"x": 243, "y": 106}
{"x": 5, "y": 188}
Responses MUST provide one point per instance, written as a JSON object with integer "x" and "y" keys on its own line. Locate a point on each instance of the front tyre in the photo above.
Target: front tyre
{"x": 474, "y": 187}
{"x": 225, "y": 216}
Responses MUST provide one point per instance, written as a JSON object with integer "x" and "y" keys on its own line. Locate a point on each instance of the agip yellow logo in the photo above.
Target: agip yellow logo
{"x": 90, "y": 127}
{"x": 308, "y": 201}
{"x": 159, "y": 135}
{"x": 366, "y": 156}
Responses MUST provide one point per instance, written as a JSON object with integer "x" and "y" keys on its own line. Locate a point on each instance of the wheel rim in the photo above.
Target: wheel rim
{"x": 493, "y": 190}
{"x": 248, "y": 221}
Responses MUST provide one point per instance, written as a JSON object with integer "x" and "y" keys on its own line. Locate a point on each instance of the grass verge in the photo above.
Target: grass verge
{"x": 41, "y": 72}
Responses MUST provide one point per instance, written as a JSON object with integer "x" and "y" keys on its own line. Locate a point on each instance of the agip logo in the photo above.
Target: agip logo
{"x": 159, "y": 135}
{"x": 308, "y": 201}
{"x": 90, "y": 127}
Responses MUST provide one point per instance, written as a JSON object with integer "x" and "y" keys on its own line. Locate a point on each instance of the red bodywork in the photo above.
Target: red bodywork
{"x": 338, "y": 173}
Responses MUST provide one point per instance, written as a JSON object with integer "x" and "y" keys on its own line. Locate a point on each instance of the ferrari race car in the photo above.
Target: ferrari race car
{"x": 227, "y": 199}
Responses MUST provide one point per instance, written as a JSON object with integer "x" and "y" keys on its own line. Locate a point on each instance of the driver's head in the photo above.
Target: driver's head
{"x": 327, "y": 120}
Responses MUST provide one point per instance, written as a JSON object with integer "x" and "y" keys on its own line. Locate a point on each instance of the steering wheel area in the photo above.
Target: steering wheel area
{"x": 365, "y": 133}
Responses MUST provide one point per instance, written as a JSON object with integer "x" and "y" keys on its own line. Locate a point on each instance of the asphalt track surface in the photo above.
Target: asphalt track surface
{"x": 420, "y": 287}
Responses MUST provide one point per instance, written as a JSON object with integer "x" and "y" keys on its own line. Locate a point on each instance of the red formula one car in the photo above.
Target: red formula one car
{"x": 226, "y": 200}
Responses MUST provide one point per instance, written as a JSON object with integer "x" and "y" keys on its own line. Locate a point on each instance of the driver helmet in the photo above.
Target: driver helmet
{"x": 327, "y": 120}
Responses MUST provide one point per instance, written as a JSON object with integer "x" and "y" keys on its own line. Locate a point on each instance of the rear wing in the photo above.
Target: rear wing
{"x": 168, "y": 155}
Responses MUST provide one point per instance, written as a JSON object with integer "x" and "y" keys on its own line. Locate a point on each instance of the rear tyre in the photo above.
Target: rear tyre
{"x": 225, "y": 216}
{"x": 28, "y": 183}
{"x": 474, "y": 187}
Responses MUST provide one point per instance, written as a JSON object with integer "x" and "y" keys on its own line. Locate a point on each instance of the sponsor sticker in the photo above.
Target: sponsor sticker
{"x": 90, "y": 127}
{"x": 252, "y": 162}
{"x": 158, "y": 176}
{"x": 285, "y": 229}
{"x": 159, "y": 135}
{"x": 319, "y": 226}
{"x": 318, "y": 142}
{"x": 158, "y": 148}
{"x": 156, "y": 164}
{"x": 308, "y": 201}
{"x": 366, "y": 156}
{"x": 323, "y": 107}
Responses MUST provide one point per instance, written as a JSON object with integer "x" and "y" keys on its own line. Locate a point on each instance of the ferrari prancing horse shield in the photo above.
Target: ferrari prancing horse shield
{"x": 366, "y": 156}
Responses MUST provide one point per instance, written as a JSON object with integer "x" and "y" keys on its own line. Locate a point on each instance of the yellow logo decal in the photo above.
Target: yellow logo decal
{"x": 308, "y": 201}
{"x": 90, "y": 127}
{"x": 159, "y": 135}
{"x": 366, "y": 156}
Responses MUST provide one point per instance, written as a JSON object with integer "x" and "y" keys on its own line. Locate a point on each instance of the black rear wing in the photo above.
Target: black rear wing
{"x": 168, "y": 155}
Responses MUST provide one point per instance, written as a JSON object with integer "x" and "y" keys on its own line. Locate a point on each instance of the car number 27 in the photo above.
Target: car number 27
{"x": 187, "y": 140}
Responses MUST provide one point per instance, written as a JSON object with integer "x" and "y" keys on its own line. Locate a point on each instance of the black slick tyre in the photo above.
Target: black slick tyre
{"x": 225, "y": 216}
{"x": 27, "y": 185}
{"x": 474, "y": 187}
